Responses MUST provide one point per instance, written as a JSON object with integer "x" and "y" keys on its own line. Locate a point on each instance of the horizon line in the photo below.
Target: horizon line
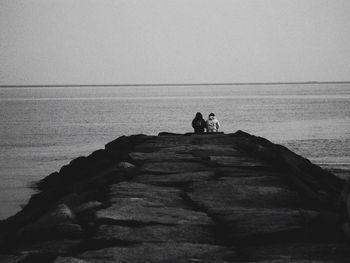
{"x": 173, "y": 84}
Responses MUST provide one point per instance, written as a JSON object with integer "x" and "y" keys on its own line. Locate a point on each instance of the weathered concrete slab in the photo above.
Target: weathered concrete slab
{"x": 139, "y": 157}
{"x": 226, "y": 193}
{"x": 257, "y": 224}
{"x": 161, "y": 252}
{"x": 172, "y": 167}
{"x": 112, "y": 234}
{"x": 174, "y": 179}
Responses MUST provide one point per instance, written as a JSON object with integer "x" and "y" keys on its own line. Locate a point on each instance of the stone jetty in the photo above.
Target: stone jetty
{"x": 184, "y": 198}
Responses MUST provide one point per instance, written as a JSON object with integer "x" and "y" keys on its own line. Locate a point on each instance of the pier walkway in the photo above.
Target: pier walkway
{"x": 185, "y": 198}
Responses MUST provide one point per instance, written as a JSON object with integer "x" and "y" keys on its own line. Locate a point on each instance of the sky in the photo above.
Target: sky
{"x": 48, "y": 42}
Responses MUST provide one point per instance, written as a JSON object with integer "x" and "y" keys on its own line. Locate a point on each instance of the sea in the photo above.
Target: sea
{"x": 44, "y": 128}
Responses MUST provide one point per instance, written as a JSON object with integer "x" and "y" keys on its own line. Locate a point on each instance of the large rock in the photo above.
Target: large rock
{"x": 87, "y": 206}
{"x": 121, "y": 144}
{"x": 61, "y": 214}
{"x": 57, "y": 223}
{"x": 125, "y": 166}
{"x": 142, "y": 212}
{"x": 145, "y": 204}
{"x": 319, "y": 187}
{"x": 254, "y": 225}
{"x": 261, "y": 180}
{"x": 126, "y": 192}
{"x": 229, "y": 193}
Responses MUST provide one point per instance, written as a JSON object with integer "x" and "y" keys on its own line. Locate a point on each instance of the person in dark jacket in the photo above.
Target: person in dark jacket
{"x": 198, "y": 123}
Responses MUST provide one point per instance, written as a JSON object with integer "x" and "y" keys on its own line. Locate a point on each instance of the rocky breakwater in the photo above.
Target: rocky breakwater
{"x": 183, "y": 198}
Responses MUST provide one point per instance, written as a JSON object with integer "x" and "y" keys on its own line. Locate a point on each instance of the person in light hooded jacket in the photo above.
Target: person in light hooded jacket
{"x": 212, "y": 123}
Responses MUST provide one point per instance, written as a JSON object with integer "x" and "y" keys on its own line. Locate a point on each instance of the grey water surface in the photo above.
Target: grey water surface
{"x": 44, "y": 128}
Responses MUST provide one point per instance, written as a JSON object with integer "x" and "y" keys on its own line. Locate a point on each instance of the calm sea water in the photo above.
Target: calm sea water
{"x": 44, "y": 128}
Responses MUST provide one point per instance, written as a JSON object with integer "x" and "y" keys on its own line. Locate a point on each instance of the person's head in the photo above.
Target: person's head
{"x": 211, "y": 115}
{"x": 199, "y": 115}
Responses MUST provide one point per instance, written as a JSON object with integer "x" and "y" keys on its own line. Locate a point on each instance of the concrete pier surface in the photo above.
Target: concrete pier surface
{"x": 184, "y": 198}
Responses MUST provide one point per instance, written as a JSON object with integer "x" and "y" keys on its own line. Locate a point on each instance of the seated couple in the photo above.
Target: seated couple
{"x": 199, "y": 124}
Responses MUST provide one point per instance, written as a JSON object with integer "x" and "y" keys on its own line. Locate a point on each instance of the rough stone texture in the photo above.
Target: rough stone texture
{"x": 154, "y": 233}
{"x": 150, "y": 213}
{"x": 161, "y": 252}
{"x": 261, "y": 180}
{"x": 87, "y": 206}
{"x": 206, "y": 152}
{"x": 319, "y": 187}
{"x": 227, "y": 193}
{"x": 125, "y": 165}
{"x": 149, "y": 204}
{"x": 234, "y": 161}
{"x": 58, "y": 223}
{"x": 139, "y": 157}
{"x": 58, "y": 246}
{"x": 61, "y": 230}
{"x": 152, "y": 146}
{"x": 296, "y": 252}
{"x": 8, "y": 258}
{"x": 172, "y": 167}
{"x": 256, "y": 224}
{"x": 68, "y": 260}
{"x": 184, "y": 198}
{"x": 136, "y": 192}
{"x": 208, "y": 149}
{"x": 245, "y": 172}
{"x": 174, "y": 179}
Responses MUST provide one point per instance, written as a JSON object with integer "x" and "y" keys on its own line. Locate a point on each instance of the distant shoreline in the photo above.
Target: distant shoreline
{"x": 174, "y": 84}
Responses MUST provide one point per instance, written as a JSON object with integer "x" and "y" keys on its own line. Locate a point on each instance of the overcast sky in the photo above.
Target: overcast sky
{"x": 173, "y": 41}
